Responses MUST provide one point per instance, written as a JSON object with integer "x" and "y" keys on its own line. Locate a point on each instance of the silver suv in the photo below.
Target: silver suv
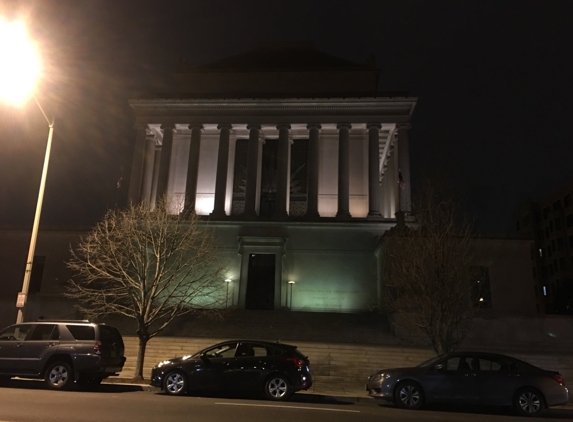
{"x": 61, "y": 352}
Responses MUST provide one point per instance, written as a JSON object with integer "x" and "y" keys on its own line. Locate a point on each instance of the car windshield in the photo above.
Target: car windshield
{"x": 429, "y": 362}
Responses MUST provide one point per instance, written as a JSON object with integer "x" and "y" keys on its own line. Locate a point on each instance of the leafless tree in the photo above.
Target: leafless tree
{"x": 427, "y": 268}
{"x": 148, "y": 265}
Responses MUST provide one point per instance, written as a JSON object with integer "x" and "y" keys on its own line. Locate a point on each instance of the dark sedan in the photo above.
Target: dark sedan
{"x": 276, "y": 369}
{"x": 473, "y": 378}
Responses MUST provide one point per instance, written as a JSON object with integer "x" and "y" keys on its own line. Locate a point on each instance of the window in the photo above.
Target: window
{"x": 45, "y": 332}
{"x": 226, "y": 350}
{"x": 250, "y": 350}
{"x": 562, "y": 264}
{"x": 570, "y": 220}
{"x": 560, "y": 243}
{"x": 567, "y": 200}
{"x": 535, "y": 291}
{"x": 551, "y": 226}
{"x": 15, "y": 333}
{"x": 546, "y": 212}
{"x": 571, "y": 241}
{"x": 480, "y": 292}
{"x": 558, "y": 223}
{"x": 546, "y": 232}
{"x": 82, "y": 332}
{"x": 517, "y": 226}
{"x": 553, "y": 245}
{"x": 557, "y": 205}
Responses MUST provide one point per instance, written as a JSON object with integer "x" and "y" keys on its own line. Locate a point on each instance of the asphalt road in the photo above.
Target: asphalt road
{"x": 28, "y": 401}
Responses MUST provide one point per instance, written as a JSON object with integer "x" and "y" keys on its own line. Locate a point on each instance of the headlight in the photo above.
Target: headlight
{"x": 378, "y": 376}
{"x": 165, "y": 362}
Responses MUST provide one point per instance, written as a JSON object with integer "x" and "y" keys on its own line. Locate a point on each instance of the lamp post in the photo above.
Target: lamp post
{"x": 17, "y": 81}
{"x": 291, "y": 284}
{"x": 227, "y": 282}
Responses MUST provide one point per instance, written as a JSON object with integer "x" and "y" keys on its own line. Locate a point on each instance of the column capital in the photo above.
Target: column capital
{"x": 283, "y": 126}
{"x": 373, "y": 125}
{"x": 343, "y": 126}
{"x": 405, "y": 126}
{"x": 196, "y": 126}
{"x": 314, "y": 126}
{"x": 225, "y": 126}
{"x": 253, "y": 126}
{"x": 167, "y": 126}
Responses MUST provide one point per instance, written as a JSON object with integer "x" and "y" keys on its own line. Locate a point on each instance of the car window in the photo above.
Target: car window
{"x": 109, "y": 335}
{"x": 82, "y": 332}
{"x": 15, "y": 332}
{"x": 451, "y": 364}
{"x": 250, "y": 350}
{"x": 45, "y": 332}
{"x": 226, "y": 350}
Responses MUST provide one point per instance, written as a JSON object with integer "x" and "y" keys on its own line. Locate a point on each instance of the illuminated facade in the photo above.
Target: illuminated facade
{"x": 295, "y": 160}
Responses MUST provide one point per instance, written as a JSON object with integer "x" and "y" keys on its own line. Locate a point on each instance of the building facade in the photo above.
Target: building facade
{"x": 549, "y": 223}
{"x": 295, "y": 160}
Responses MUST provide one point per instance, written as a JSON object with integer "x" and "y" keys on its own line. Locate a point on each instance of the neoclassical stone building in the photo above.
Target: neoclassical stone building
{"x": 296, "y": 161}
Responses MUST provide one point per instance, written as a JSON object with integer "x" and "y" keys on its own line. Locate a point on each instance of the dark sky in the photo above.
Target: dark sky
{"x": 494, "y": 81}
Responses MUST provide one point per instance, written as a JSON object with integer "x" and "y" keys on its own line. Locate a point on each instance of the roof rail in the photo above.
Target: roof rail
{"x": 62, "y": 320}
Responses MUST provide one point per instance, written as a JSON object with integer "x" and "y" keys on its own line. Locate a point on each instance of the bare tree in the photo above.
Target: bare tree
{"x": 148, "y": 265}
{"x": 427, "y": 269}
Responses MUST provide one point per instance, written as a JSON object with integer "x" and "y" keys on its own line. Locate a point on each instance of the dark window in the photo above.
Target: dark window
{"x": 546, "y": 212}
{"x": 567, "y": 200}
{"x": 549, "y": 251}
{"x": 517, "y": 226}
{"x": 556, "y": 205}
{"x": 275, "y": 351}
{"x": 480, "y": 293}
{"x": 550, "y": 270}
{"x": 540, "y": 234}
{"x": 45, "y": 332}
{"x": 546, "y": 232}
{"x": 544, "y": 271}
{"x": 571, "y": 241}
{"x": 558, "y": 223}
{"x": 570, "y": 220}
{"x": 560, "y": 243}
{"x": 551, "y": 226}
{"x": 82, "y": 332}
{"x": 109, "y": 335}
{"x": 37, "y": 274}
{"x": 553, "y": 245}
{"x": 538, "y": 217}
{"x": 562, "y": 264}
{"x": 555, "y": 265}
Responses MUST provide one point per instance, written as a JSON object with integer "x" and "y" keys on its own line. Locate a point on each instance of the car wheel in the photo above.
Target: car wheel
{"x": 528, "y": 402}
{"x": 278, "y": 388}
{"x": 175, "y": 383}
{"x": 59, "y": 376}
{"x": 409, "y": 395}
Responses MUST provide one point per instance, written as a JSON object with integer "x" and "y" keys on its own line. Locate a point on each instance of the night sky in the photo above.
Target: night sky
{"x": 493, "y": 78}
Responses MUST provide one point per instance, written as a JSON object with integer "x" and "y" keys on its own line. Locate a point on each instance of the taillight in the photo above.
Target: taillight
{"x": 97, "y": 350}
{"x": 559, "y": 379}
{"x": 298, "y": 362}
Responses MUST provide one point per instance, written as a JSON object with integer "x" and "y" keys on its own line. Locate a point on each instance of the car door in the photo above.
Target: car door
{"x": 452, "y": 380}
{"x": 11, "y": 344}
{"x": 41, "y": 343}
{"x": 246, "y": 369}
{"x": 211, "y": 373}
{"x": 498, "y": 378}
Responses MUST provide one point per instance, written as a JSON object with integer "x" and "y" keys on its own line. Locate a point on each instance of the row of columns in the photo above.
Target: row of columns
{"x": 138, "y": 184}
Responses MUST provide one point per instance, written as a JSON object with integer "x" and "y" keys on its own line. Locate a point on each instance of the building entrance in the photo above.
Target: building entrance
{"x": 261, "y": 282}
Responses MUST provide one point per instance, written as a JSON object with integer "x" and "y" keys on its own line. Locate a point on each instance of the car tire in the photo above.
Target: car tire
{"x": 528, "y": 402}
{"x": 59, "y": 376}
{"x": 175, "y": 383}
{"x": 278, "y": 388}
{"x": 409, "y": 395}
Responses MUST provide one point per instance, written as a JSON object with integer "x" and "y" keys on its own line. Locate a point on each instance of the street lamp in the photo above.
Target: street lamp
{"x": 291, "y": 284}
{"x": 17, "y": 82}
{"x": 227, "y": 282}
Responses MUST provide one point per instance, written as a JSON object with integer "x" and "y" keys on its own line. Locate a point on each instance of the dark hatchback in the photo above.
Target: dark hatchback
{"x": 471, "y": 378}
{"x": 278, "y": 370}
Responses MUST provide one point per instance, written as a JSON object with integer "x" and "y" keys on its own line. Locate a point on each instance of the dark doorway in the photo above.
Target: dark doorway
{"x": 261, "y": 282}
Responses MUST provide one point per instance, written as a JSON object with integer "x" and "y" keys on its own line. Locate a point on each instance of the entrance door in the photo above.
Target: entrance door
{"x": 261, "y": 282}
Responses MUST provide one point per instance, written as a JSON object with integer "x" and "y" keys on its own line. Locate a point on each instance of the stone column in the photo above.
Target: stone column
{"x": 192, "y": 169}
{"x": 148, "y": 169}
{"x": 312, "y": 167}
{"x": 404, "y": 167}
{"x": 374, "y": 169}
{"x": 165, "y": 163}
{"x": 343, "y": 170}
{"x": 222, "y": 166}
{"x": 252, "y": 171}
{"x": 135, "y": 180}
{"x": 283, "y": 172}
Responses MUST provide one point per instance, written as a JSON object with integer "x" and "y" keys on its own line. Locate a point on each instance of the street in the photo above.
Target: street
{"x": 28, "y": 401}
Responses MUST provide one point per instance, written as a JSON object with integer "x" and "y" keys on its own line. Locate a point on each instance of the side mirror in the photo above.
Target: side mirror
{"x": 440, "y": 367}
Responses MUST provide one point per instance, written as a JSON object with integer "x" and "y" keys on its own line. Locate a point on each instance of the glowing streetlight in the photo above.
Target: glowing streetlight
{"x": 18, "y": 77}
{"x": 291, "y": 284}
{"x": 227, "y": 282}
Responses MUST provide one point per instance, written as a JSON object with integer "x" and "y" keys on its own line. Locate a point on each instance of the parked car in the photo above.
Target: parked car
{"x": 276, "y": 369}
{"x": 474, "y": 378}
{"x": 61, "y": 352}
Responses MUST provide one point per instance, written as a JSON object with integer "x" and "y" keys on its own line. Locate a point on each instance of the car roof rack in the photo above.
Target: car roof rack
{"x": 62, "y": 320}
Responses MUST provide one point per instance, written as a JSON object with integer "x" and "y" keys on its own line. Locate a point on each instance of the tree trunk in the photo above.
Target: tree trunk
{"x": 143, "y": 339}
